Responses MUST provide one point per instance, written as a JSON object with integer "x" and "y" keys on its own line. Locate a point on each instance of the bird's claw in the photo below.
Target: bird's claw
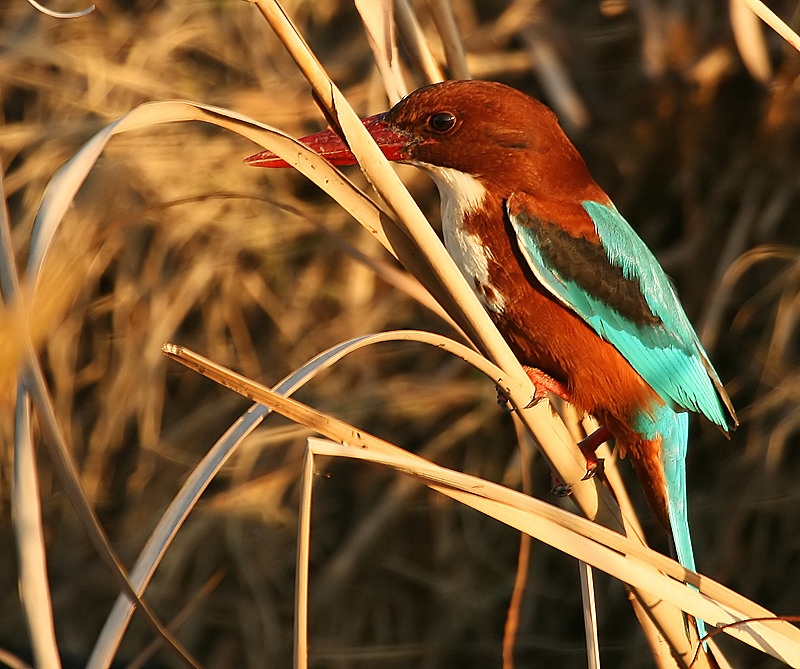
{"x": 594, "y": 468}
{"x": 538, "y": 395}
{"x": 594, "y": 465}
{"x": 503, "y": 401}
{"x": 559, "y": 488}
{"x": 544, "y": 383}
{"x": 589, "y": 446}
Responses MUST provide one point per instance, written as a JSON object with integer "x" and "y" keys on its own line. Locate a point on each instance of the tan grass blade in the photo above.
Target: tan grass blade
{"x": 326, "y": 425}
{"x": 378, "y": 19}
{"x": 648, "y": 571}
{"x": 750, "y": 41}
{"x": 62, "y": 15}
{"x": 12, "y": 661}
{"x": 605, "y": 549}
{"x": 415, "y": 42}
{"x": 173, "y": 518}
{"x": 34, "y": 591}
{"x": 303, "y": 554}
{"x": 589, "y": 615}
{"x": 775, "y": 22}
{"x": 454, "y": 52}
{"x": 34, "y": 588}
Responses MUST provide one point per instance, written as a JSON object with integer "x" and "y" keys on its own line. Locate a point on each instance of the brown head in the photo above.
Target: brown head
{"x": 504, "y": 138}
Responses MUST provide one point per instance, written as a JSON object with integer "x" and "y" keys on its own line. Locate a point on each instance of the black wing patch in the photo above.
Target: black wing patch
{"x": 586, "y": 263}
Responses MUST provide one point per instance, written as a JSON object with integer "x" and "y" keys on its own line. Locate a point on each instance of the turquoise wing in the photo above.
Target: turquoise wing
{"x": 620, "y": 290}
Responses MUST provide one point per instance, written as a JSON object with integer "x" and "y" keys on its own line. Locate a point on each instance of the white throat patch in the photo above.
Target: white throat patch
{"x": 462, "y": 195}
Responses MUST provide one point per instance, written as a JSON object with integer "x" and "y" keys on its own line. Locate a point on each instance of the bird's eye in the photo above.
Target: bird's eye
{"x": 441, "y": 122}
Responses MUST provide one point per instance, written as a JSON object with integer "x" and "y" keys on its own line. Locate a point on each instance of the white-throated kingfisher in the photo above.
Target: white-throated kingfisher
{"x": 576, "y": 293}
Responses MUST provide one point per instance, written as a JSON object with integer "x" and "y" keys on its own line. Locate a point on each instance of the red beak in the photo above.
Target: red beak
{"x": 330, "y": 146}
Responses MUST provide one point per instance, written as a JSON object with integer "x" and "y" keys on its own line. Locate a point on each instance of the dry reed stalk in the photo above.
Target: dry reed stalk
{"x": 657, "y": 575}
{"x": 773, "y": 21}
{"x": 48, "y": 68}
{"x": 414, "y": 40}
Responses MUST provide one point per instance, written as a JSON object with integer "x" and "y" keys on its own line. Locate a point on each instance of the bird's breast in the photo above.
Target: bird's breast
{"x": 462, "y": 196}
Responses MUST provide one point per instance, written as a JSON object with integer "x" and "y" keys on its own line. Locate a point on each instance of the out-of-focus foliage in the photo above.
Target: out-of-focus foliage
{"x": 174, "y": 238}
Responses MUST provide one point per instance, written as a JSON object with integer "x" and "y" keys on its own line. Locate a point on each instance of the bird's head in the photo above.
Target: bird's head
{"x": 484, "y": 129}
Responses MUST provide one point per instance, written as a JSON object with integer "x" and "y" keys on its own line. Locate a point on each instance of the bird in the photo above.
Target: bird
{"x": 578, "y": 296}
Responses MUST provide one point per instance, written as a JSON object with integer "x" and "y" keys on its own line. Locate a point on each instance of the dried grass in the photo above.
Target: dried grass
{"x": 171, "y": 238}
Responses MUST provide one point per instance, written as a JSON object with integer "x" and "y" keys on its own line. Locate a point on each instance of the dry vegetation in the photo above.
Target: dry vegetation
{"x": 173, "y": 238}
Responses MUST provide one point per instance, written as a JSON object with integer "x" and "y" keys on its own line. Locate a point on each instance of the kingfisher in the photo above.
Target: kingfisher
{"x": 580, "y": 299}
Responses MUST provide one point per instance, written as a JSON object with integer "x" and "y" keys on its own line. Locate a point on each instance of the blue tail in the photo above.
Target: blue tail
{"x": 673, "y": 427}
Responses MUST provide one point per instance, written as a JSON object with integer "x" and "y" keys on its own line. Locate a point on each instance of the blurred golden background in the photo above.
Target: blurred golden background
{"x": 694, "y": 136}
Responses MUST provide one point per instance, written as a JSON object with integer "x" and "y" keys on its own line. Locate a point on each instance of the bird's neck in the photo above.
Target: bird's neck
{"x": 461, "y": 194}
{"x": 463, "y": 200}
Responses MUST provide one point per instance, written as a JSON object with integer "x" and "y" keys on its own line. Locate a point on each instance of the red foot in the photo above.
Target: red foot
{"x": 594, "y": 465}
{"x": 545, "y": 383}
{"x": 589, "y": 446}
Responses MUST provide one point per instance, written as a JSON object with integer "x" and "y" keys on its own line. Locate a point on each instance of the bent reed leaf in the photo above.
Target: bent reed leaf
{"x": 589, "y": 542}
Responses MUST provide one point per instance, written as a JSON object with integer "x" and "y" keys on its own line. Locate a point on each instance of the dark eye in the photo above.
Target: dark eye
{"x": 442, "y": 122}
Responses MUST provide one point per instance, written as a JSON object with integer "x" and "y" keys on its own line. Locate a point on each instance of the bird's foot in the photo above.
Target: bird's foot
{"x": 589, "y": 446}
{"x": 594, "y": 465}
{"x": 503, "y": 401}
{"x": 543, "y": 383}
{"x": 558, "y": 487}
